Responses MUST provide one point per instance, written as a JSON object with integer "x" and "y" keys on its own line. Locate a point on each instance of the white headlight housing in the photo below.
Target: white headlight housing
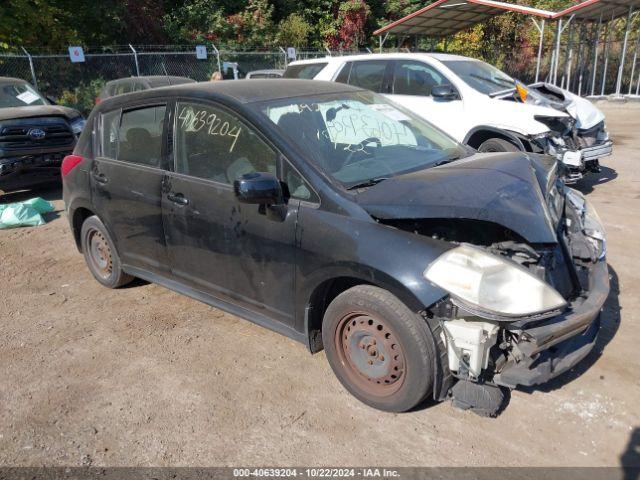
{"x": 492, "y": 284}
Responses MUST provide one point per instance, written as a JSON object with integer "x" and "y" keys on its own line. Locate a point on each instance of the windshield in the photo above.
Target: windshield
{"x": 481, "y": 76}
{"x": 19, "y": 95}
{"x": 361, "y": 137}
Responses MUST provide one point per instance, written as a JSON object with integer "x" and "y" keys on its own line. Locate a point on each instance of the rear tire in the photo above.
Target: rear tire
{"x": 381, "y": 351}
{"x": 497, "y": 145}
{"x": 100, "y": 254}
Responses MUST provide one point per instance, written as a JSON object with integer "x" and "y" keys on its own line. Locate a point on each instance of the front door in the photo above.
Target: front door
{"x": 126, "y": 181}
{"x": 411, "y": 88}
{"x": 235, "y": 252}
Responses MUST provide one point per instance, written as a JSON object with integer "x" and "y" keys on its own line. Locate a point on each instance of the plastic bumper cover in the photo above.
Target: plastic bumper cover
{"x": 558, "y": 344}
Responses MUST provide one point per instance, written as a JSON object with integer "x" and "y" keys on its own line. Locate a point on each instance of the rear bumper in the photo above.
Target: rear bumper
{"x": 551, "y": 347}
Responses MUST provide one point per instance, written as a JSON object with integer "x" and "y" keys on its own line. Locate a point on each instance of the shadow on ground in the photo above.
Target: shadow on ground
{"x": 630, "y": 458}
{"x": 50, "y": 193}
{"x": 588, "y": 183}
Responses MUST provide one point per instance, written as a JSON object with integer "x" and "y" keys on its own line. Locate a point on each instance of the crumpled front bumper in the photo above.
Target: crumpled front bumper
{"x": 576, "y": 159}
{"x": 550, "y": 347}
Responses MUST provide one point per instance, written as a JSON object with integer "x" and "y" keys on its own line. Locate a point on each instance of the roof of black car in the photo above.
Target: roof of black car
{"x": 242, "y": 91}
{"x": 249, "y": 91}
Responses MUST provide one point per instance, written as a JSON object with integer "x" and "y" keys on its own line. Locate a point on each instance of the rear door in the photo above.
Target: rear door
{"x": 126, "y": 180}
{"x": 235, "y": 252}
{"x": 411, "y": 85}
{"x": 369, "y": 74}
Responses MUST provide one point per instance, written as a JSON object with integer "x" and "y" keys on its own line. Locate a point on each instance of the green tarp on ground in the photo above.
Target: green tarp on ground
{"x": 23, "y": 214}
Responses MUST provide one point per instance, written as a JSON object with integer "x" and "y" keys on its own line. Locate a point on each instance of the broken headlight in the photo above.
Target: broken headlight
{"x": 491, "y": 284}
{"x": 559, "y": 125}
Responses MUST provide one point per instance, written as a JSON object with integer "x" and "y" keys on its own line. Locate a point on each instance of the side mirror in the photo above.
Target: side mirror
{"x": 51, "y": 100}
{"x": 444, "y": 92}
{"x": 258, "y": 188}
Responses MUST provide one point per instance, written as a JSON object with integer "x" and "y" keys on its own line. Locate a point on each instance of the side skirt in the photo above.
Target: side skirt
{"x": 228, "y": 307}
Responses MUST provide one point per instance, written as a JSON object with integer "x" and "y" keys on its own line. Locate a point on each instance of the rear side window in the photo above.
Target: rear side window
{"x": 306, "y": 71}
{"x": 415, "y": 78}
{"x": 369, "y": 75}
{"x": 214, "y": 144}
{"x": 135, "y": 137}
{"x": 140, "y": 136}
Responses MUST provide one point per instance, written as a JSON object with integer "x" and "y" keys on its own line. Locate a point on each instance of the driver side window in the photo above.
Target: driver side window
{"x": 415, "y": 78}
{"x": 214, "y": 144}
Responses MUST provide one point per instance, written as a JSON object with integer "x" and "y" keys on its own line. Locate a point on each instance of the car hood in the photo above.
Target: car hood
{"x": 508, "y": 189}
{"x": 586, "y": 114}
{"x": 10, "y": 113}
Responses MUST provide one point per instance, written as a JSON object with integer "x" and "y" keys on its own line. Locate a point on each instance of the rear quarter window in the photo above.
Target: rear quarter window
{"x": 305, "y": 71}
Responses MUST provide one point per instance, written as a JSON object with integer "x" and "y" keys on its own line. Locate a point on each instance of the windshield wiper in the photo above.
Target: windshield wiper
{"x": 505, "y": 83}
{"x": 453, "y": 158}
{"x": 367, "y": 183}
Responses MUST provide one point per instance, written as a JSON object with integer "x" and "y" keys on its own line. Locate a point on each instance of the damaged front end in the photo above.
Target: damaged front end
{"x": 578, "y": 140}
{"x": 530, "y": 313}
{"x": 579, "y": 150}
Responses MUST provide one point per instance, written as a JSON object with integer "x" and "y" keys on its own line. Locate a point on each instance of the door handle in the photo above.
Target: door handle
{"x": 100, "y": 178}
{"x": 178, "y": 198}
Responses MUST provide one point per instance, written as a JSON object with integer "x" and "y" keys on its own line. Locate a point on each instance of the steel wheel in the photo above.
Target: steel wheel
{"x": 371, "y": 353}
{"x": 100, "y": 254}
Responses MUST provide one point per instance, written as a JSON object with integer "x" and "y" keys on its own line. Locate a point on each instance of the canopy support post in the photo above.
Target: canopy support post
{"x": 606, "y": 56}
{"x": 633, "y": 64}
{"x": 31, "y": 67}
{"x": 624, "y": 52}
{"x": 135, "y": 57}
{"x": 595, "y": 57}
{"x": 540, "y": 28}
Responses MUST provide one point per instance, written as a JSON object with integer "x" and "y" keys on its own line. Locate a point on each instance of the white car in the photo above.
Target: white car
{"x": 477, "y": 104}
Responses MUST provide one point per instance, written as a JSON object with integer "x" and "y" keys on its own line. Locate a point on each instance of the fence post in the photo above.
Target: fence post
{"x": 215, "y": 49}
{"x": 33, "y": 70}
{"x": 135, "y": 57}
{"x": 284, "y": 52}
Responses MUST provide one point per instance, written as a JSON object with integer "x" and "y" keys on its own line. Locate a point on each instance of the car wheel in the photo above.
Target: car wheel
{"x": 497, "y": 145}
{"x": 380, "y": 350}
{"x": 100, "y": 254}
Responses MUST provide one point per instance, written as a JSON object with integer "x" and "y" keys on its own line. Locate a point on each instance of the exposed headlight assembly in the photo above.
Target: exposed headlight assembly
{"x": 560, "y": 125}
{"x": 492, "y": 285}
{"x": 77, "y": 124}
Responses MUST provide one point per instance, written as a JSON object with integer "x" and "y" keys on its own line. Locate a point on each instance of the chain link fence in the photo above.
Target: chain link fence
{"x": 56, "y": 76}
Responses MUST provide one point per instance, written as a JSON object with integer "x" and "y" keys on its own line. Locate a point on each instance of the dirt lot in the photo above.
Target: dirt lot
{"x": 144, "y": 376}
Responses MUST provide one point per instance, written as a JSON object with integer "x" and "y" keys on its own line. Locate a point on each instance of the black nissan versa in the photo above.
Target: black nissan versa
{"x": 328, "y": 214}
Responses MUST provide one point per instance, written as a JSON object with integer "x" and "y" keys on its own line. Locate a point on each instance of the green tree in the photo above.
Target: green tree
{"x": 293, "y": 31}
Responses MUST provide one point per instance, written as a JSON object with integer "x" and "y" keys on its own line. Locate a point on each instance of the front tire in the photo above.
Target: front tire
{"x": 381, "y": 351}
{"x": 100, "y": 254}
{"x": 497, "y": 145}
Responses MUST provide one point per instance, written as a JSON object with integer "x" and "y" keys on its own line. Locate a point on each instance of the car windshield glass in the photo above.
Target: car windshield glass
{"x": 19, "y": 95}
{"x": 481, "y": 76}
{"x": 360, "y": 138}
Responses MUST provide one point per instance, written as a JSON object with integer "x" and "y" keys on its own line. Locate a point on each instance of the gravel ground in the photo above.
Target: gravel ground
{"x": 144, "y": 376}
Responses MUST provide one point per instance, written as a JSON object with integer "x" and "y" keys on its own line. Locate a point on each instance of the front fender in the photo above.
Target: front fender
{"x": 334, "y": 246}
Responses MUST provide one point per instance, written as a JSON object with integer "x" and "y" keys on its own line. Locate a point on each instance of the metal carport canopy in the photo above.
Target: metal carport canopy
{"x": 590, "y": 10}
{"x": 447, "y": 17}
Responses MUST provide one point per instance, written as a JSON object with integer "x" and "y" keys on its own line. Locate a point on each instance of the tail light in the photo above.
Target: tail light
{"x": 98, "y": 100}
{"x": 69, "y": 163}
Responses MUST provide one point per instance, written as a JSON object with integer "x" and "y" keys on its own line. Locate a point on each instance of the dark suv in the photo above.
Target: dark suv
{"x": 34, "y": 135}
{"x": 333, "y": 216}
